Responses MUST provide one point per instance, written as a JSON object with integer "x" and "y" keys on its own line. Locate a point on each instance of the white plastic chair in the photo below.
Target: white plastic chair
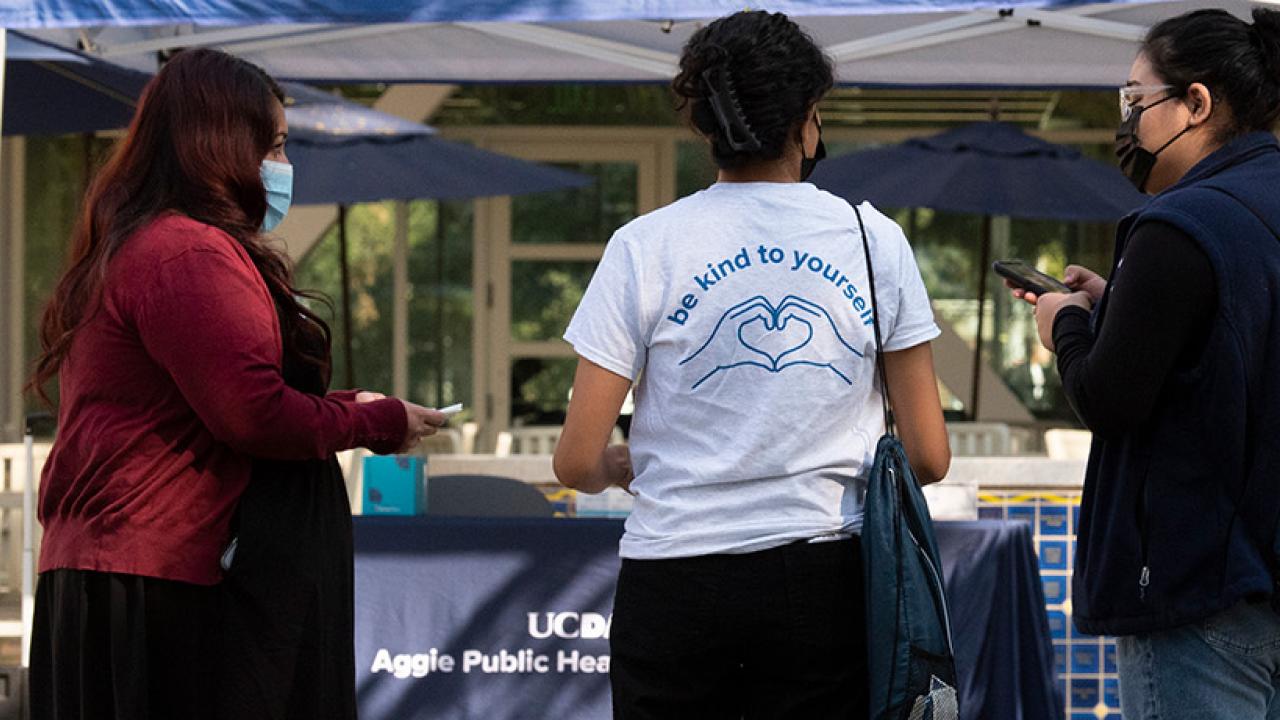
{"x": 970, "y": 439}
{"x": 538, "y": 440}
{"x": 1067, "y": 444}
{"x": 447, "y": 441}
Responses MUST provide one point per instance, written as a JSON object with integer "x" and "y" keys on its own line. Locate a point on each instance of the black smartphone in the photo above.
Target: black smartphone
{"x": 1028, "y": 278}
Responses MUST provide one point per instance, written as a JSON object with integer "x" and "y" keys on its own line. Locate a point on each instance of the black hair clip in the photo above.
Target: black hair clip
{"x": 724, "y": 103}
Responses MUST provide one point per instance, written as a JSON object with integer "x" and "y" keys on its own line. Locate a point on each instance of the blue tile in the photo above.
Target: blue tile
{"x": 1111, "y": 692}
{"x": 1085, "y": 695}
{"x": 1085, "y": 660}
{"x": 1053, "y": 555}
{"x": 1025, "y": 513}
{"x": 990, "y": 512}
{"x": 1109, "y": 658}
{"x": 1055, "y": 589}
{"x": 1075, "y": 519}
{"x": 1053, "y": 520}
{"x": 1083, "y": 716}
{"x": 1060, "y": 684}
{"x": 1057, "y": 624}
{"x": 1075, "y": 634}
{"x": 1060, "y": 659}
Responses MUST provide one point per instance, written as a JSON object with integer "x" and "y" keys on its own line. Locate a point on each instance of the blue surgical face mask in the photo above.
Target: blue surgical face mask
{"x": 277, "y": 178}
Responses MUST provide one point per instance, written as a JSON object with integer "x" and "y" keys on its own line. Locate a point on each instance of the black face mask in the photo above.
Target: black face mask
{"x": 1136, "y": 162}
{"x": 807, "y": 164}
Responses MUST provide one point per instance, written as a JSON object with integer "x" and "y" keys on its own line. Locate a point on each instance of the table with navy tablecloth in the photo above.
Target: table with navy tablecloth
{"x": 498, "y": 619}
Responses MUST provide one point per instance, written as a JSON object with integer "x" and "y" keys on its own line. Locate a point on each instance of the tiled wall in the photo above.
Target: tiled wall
{"x": 1086, "y": 665}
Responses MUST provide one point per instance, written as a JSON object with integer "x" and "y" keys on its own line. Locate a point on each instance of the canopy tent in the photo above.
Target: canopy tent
{"x": 972, "y": 43}
{"x": 59, "y": 13}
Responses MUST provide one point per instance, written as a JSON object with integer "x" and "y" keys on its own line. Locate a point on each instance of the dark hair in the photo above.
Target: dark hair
{"x": 746, "y": 82}
{"x": 1237, "y": 61}
{"x": 195, "y": 146}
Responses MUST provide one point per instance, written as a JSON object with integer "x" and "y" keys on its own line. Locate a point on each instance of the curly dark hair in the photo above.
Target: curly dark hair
{"x": 746, "y": 83}
{"x": 1239, "y": 62}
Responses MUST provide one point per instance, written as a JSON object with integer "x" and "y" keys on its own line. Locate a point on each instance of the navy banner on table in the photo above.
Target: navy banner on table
{"x": 999, "y": 628}
{"x": 493, "y": 619}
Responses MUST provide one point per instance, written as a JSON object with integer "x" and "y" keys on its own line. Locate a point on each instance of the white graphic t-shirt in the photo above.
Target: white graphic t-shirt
{"x": 743, "y": 313}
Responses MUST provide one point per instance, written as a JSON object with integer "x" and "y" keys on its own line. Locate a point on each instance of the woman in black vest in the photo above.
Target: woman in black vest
{"x": 1174, "y": 364}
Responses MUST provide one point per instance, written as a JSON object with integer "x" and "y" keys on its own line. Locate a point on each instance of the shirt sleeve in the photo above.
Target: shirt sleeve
{"x": 342, "y": 395}
{"x": 206, "y": 320}
{"x": 913, "y": 323}
{"x": 607, "y": 328}
{"x": 1159, "y": 312}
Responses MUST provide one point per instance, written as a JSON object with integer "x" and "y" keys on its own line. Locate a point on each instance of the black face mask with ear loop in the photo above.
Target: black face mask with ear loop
{"x": 1137, "y": 162}
{"x": 807, "y": 164}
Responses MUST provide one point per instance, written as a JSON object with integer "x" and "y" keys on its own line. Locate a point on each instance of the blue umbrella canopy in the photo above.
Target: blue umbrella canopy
{"x": 345, "y": 153}
{"x": 52, "y": 91}
{"x": 989, "y": 168}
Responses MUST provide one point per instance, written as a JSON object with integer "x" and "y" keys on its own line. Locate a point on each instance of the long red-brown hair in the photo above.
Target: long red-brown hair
{"x": 195, "y": 146}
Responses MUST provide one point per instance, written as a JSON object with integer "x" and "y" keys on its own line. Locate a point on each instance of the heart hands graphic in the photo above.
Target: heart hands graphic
{"x": 755, "y": 332}
{"x": 775, "y": 339}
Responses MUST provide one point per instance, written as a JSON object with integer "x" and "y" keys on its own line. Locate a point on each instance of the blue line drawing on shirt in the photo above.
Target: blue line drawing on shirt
{"x": 757, "y": 333}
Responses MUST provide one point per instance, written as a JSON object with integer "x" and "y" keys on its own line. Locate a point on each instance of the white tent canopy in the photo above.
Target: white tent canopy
{"x": 901, "y": 44}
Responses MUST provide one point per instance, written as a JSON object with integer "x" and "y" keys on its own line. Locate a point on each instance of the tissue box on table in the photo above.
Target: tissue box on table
{"x": 394, "y": 485}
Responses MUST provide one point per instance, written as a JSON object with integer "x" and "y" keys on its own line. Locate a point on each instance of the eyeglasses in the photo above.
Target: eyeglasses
{"x": 1130, "y": 95}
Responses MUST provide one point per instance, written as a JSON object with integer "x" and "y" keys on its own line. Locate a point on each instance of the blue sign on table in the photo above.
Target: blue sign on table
{"x": 467, "y": 619}
{"x": 499, "y": 619}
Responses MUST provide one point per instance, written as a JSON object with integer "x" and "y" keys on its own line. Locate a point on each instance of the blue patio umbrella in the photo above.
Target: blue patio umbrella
{"x": 53, "y": 91}
{"x": 988, "y": 168}
{"x": 344, "y": 152}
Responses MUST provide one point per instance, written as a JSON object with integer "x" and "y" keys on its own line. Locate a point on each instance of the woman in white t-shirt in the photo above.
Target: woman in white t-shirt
{"x": 742, "y": 315}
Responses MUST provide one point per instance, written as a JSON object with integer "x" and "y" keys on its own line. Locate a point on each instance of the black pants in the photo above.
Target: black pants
{"x": 773, "y": 634}
{"x": 107, "y": 646}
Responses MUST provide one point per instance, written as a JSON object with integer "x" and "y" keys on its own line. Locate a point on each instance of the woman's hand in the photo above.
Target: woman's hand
{"x": 1078, "y": 278}
{"x": 1048, "y": 306}
{"x": 422, "y": 422}
{"x": 1082, "y": 279}
{"x": 617, "y": 465}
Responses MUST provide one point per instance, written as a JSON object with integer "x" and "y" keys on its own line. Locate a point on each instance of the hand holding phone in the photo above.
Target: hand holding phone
{"x": 1023, "y": 276}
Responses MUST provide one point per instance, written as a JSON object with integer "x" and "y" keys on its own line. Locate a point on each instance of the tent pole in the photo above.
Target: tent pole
{"x": 28, "y": 581}
{"x": 400, "y": 303}
{"x": 984, "y": 259}
{"x": 4, "y": 42}
{"x": 439, "y": 300}
{"x": 344, "y": 266}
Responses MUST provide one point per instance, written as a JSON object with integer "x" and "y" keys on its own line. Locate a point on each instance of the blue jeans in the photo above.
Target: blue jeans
{"x": 1224, "y": 668}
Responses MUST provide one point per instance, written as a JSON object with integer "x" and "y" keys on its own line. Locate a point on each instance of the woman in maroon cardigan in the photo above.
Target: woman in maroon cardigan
{"x": 169, "y": 334}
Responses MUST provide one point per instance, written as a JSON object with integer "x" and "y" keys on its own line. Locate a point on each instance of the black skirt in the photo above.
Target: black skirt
{"x": 107, "y": 646}
{"x": 287, "y": 647}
